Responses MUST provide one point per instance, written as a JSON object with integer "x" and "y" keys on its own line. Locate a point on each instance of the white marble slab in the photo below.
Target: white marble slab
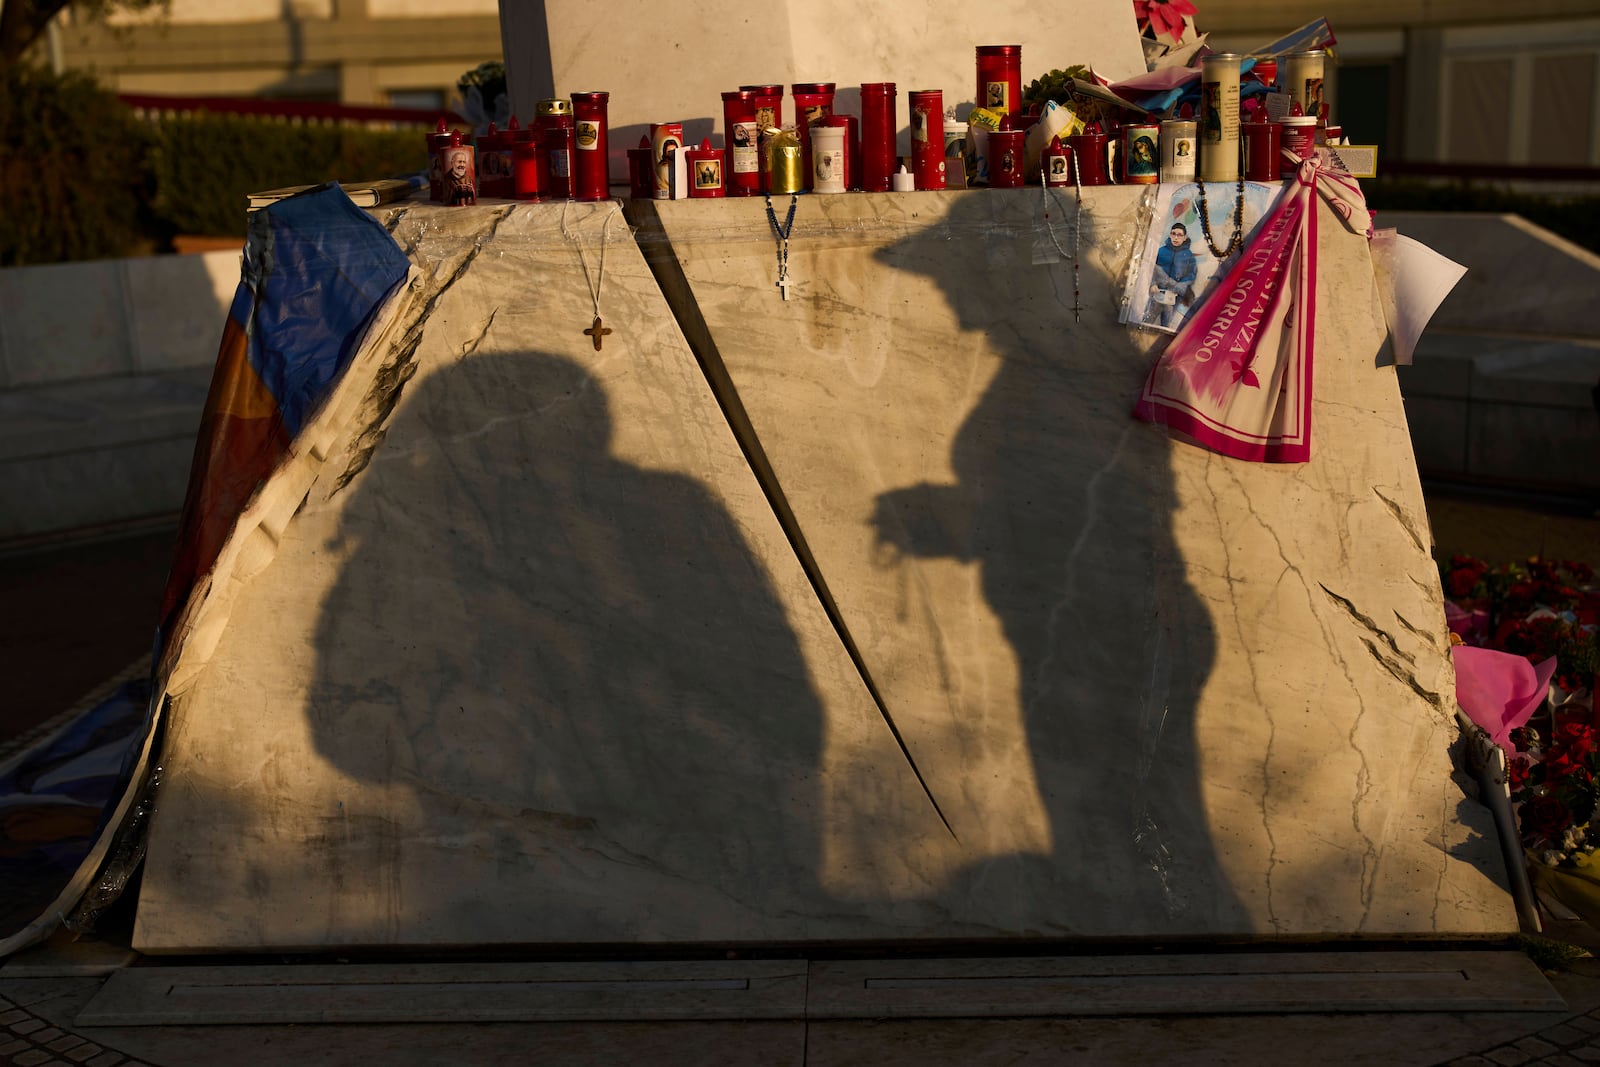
{"x": 1154, "y": 691}
{"x": 532, "y": 661}
{"x": 525, "y": 653}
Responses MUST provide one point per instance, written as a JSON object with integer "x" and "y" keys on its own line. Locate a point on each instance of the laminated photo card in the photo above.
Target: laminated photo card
{"x": 1177, "y": 268}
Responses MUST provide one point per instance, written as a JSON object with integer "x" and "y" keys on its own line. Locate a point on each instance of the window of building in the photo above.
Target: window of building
{"x": 1563, "y": 114}
{"x": 1369, "y": 104}
{"x": 1480, "y": 111}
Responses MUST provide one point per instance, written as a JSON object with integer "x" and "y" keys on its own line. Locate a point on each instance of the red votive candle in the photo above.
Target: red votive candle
{"x": 1000, "y": 77}
{"x": 742, "y": 139}
{"x": 813, "y": 102}
{"x": 591, "y": 166}
{"x": 705, "y": 171}
{"x": 927, "y": 137}
{"x": 527, "y": 168}
{"x": 769, "y": 116}
{"x": 1007, "y": 154}
{"x": 877, "y": 136}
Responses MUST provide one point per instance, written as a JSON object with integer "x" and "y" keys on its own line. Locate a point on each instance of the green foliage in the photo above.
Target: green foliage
{"x": 489, "y": 78}
{"x": 1057, "y": 85}
{"x": 203, "y": 166}
{"x": 1575, "y": 218}
{"x": 1054, "y": 85}
{"x": 71, "y": 180}
{"x": 1550, "y": 955}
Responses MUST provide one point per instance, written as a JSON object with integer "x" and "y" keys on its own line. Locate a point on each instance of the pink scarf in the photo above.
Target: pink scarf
{"x": 1236, "y": 378}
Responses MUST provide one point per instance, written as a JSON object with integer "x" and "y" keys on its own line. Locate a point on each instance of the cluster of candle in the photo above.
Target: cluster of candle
{"x": 823, "y": 151}
{"x": 563, "y": 154}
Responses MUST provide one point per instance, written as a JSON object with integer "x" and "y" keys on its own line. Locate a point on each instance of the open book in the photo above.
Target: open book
{"x": 364, "y": 194}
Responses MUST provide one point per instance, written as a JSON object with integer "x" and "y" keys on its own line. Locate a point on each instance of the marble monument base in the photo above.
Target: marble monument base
{"x": 866, "y": 616}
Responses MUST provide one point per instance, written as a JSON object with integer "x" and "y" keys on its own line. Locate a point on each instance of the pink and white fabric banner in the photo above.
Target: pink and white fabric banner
{"x": 1236, "y": 378}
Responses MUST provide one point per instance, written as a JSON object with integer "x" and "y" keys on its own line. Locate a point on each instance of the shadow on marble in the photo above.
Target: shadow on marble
{"x": 582, "y": 595}
{"x": 1064, "y": 507}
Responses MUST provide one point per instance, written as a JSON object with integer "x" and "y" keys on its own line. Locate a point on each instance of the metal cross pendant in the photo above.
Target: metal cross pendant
{"x": 597, "y": 332}
{"x": 783, "y": 285}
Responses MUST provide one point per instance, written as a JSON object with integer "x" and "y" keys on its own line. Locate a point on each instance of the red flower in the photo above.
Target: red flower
{"x": 1577, "y": 738}
{"x": 1164, "y": 16}
{"x": 1463, "y": 582}
{"x": 1517, "y": 772}
{"x": 1543, "y": 819}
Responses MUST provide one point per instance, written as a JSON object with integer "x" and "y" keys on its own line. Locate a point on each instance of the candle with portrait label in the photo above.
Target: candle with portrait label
{"x": 591, "y": 164}
{"x": 1008, "y": 151}
{"x": 742, "y": 138}
{"x": 1219, "y": 117}
{"x": 1000, "y": 77}
{"x": 1177, "y": 150}
{"x": 813, "y": 103}
{"x": 553, "y": 122}
{"x": 705, "y": 171}
{"x": 1141, "y": 153}
{"x": 1302, "y": 76}
{"x": 666, "y": 138}
{"x": 769, "y": 116}
{"x": 927, "y": 137}
{"x": 829, "y": 167}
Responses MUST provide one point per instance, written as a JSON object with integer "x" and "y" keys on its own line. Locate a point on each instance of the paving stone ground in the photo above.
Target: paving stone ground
{"x": 26, "y": 1040}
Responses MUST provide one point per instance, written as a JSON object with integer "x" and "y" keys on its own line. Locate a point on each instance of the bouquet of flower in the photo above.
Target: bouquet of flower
{"x": 1537, "y": 610}
{"x": 1553, "y": 784}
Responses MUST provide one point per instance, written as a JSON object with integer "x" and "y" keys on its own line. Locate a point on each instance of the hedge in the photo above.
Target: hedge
{"x": 1575, "y": 218}
{"x": 72, "y": 180}
{"x": 204, "y": 164}
{"x": 82, "y": 177}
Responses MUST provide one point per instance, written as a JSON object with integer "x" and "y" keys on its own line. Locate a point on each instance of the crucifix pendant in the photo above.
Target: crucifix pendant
{"x": 597, "y": 332}
{"x": 783, "y": 285}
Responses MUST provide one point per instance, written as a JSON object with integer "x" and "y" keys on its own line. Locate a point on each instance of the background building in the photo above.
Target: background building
{"x": 397, "y": 53}
{"x": 1467, "y": 82}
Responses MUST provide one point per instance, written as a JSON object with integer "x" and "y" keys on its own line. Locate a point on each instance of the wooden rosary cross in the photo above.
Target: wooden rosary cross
{"x": 597, "y": 332}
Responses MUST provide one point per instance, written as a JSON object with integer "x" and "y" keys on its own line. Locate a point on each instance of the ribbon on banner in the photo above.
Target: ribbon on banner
{"x": 1236, "y": 378}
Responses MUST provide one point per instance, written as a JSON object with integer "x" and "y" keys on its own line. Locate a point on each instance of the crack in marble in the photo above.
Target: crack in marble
{"x": 1377, "y": 631}
{"x": 392, "y": 377}
{"x": 1364, "y": 786}
{"x": 381, "y": 399}
{"x": 477, "y": 338}
{"x": 1435, "y": 640}
{"x": 1423, "y": 634}
{"x": 1265, "y": 805}
{"x": 1403, "y": 519}
{"x": 1403, "y": 675}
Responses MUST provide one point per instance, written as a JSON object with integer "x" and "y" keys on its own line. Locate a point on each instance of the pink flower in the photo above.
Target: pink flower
{"x": 1163, "y": 16}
